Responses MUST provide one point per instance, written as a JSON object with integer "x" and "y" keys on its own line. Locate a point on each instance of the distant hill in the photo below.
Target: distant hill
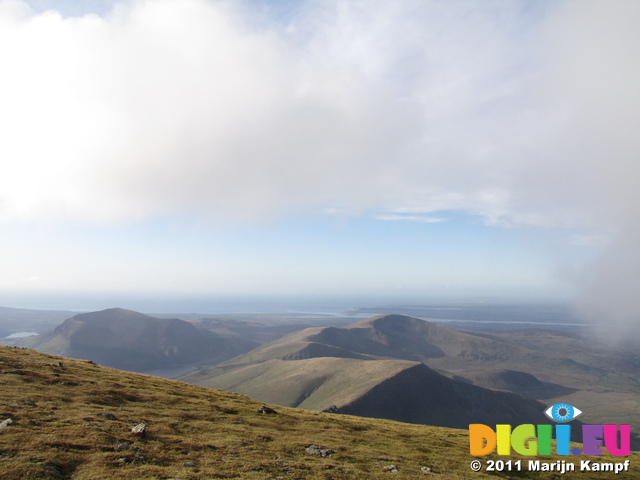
{"x": 73, "y": 420}
{"x": 393, "y": 389}
{"x": 385, "y": 336}
{"x": 133, "y": 341}
{"x": 258, "y": 332}
{"x": 515, "y": 381}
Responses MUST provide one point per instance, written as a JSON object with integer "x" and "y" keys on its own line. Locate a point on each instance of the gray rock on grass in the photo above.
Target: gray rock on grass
{"x": 316, "y": 450}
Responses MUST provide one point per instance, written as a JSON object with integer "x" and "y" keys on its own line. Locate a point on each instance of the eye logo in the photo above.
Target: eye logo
{"x": 562, "y": 412}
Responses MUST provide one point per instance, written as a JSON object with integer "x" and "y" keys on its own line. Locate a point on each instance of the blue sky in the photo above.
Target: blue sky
{"x": 408, "y": 150}
{"x": 359, "y": 256}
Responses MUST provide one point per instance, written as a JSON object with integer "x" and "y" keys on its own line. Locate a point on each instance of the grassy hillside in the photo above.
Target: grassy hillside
{"x": 314, "y": 383}
{"x": 73, "y": 420}
{"x": 392, "y": 389}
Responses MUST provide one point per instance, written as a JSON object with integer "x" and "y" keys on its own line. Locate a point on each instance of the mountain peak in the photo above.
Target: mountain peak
{"x": 111, "y": 314}
{"x": 398, "y": 321}
{"x": 394, "y": 324}
{"x": 134, "y": 341}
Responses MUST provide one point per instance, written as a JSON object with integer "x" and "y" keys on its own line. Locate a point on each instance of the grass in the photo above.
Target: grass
{"x": 62, "y": 431}
{"x": 313, "y": 383}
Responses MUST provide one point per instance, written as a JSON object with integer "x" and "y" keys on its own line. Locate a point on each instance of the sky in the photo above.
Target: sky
{"x": 383, "y": 151}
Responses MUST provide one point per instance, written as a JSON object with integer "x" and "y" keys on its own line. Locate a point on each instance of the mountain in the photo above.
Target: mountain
{"x": 374, "y": 368}
{"x": 385, "y": 336}
{"x": 133, "y": 341}
{"x": 73, "y": 420}
{"x": 543, "y": 364}
{"x": 393, "y": 389}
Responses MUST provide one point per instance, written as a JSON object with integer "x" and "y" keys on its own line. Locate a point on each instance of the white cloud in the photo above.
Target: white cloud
{"x": 171, "y": 106}
{"x": 520, "y": 114}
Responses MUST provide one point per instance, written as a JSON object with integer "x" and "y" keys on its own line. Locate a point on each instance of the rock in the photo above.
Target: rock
{"x": 316, "y": 450}
{"x": 332, "y": 409}
{"x": 390, "y": 468}
{"x": 123, "y": 447}
{"x": 28, "y": 403}
{"x": 131, "y": 459}
{"x": 6, "y": 423}
{"x": 52, "y": 469}
{"x": 56, "y": 365}
{"x": 139, "y": 429}
{"x": 108, "y": 416}
{"x": 267, "y": 410}
{"x": 189, "y": 464}
{"x": 426, "y": 470}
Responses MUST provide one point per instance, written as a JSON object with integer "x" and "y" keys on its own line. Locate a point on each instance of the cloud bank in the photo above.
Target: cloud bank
{"x": 520, "y": 112}
{"x": 174, "y": 106}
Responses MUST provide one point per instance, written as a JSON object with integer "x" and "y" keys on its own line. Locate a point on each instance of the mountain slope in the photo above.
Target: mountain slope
{"x": 73, "y": 420}
{"x": 133, "y": 341}
{"x": 314, "y": 383}
{"x": 392, "y": 389}
{"x": 420, "y": 395}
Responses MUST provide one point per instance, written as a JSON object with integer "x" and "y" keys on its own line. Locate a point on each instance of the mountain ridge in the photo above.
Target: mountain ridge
{"x": 538, "y": 364}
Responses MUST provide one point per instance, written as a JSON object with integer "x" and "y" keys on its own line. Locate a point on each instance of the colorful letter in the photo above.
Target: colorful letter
{"x": 482, "y": 439}
{"x": 544, "y": 439}
{"x": 503, "y": 432}
{"x": 592, "y": 439}
{"x": 611, "y": 440}
{"x": 523, "y": 440}
{"x": 563, "y": 439}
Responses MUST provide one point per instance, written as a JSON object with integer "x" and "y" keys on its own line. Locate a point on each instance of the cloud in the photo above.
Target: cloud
{"x": 522, "y": 114}
{"x": 595, "y": 165}
{"x": 166, "y": 107}
{"x": 525, "y": 113}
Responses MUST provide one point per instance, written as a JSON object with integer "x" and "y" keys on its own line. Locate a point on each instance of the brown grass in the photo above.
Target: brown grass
{"x": 64, "y": 435}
